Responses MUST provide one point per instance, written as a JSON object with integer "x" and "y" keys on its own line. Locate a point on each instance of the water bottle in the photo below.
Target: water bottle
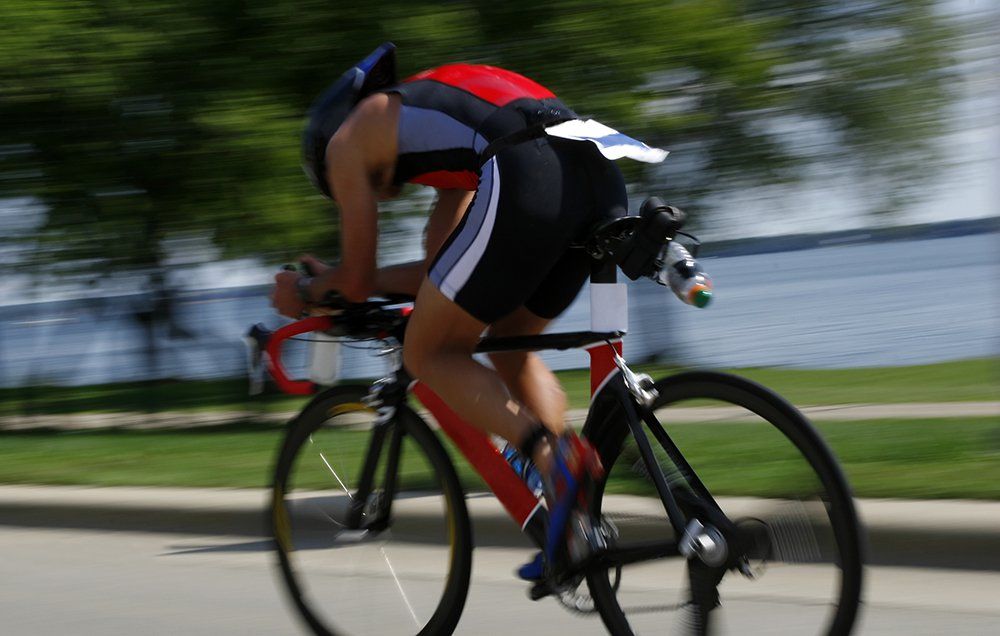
{"x": 324, "y": 358}
{"x": 685, "y": 276}
{"x": 525, "y": 468}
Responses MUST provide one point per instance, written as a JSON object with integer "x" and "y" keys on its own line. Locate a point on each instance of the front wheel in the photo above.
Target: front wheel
{"x": 369, "y": 521}
{"x": 726, "y": 443}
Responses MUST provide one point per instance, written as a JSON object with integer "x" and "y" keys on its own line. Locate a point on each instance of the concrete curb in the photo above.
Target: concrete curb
{"x": 951, "y": 534}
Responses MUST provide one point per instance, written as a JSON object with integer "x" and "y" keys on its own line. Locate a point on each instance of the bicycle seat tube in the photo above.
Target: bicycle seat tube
{"x": 609, "y": 312}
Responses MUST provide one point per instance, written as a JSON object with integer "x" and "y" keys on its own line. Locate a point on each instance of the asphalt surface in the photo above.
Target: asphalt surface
{"x": 198, "y": 561}
{"x": 121, "y": 583}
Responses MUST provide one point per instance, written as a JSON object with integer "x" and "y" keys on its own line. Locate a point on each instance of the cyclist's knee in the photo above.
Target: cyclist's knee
{"x": 439, "y": 330}
{"x": 414, "y": 358}
{"x": 423, "y": 359}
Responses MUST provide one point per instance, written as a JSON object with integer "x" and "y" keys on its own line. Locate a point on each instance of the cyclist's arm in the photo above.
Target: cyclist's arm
{"x": 445, "y": 216}
{"x": 360, "y": 159}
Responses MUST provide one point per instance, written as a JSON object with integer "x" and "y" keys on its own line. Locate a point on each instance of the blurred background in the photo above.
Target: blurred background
{"x": 839, "y": 161}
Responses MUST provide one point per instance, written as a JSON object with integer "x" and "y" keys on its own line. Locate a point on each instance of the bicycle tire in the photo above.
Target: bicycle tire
{"x": 609, "y": 432}
{"x": 289, "y": 525}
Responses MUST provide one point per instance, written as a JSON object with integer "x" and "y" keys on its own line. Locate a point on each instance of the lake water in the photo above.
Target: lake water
{"x": 871, "y": 304}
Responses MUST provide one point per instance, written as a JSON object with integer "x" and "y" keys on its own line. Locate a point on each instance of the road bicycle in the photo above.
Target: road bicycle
{"x": 721, "y": 508}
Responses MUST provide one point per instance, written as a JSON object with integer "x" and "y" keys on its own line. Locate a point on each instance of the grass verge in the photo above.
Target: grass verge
{"x": 931, "y": 458}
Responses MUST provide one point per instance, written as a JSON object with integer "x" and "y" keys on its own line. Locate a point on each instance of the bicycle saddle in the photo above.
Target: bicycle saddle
{"x": 635, "y": 242}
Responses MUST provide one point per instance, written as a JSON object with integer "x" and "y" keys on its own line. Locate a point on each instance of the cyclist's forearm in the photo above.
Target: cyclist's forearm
{"x": 401, "y": 279}
{"x": 407, "y": 277}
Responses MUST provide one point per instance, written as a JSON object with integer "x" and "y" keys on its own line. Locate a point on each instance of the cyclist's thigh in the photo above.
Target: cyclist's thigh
{"x": 560, "y": 286}
{"x": 520, "y": 322}
{"x": 600, "y": 195}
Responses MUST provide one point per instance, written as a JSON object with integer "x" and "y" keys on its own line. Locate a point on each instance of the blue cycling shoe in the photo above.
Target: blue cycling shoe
{"x": 575, "y": 465}
{"x": 533, "y": 570}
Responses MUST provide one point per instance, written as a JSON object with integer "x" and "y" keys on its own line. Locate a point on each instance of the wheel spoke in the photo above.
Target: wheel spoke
{"x": 399, "y": 586}
{"x": 336, "y": 476}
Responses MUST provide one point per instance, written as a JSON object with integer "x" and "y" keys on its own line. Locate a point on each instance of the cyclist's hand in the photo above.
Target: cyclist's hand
{"x": 285, "y": 296}
{"x": 313, "y": 265}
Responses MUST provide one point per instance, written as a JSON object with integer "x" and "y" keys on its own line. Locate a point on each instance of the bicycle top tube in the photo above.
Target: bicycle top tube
{"x": 385, "y": 320}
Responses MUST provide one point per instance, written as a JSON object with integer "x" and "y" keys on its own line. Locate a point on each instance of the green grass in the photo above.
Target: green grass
{"x": 962, "y": 381}
{"x": 967, "y": 380}
{"x": 933, "y": 458}
{"x": 909, "y": 459}
{"x": 948, "y": 458}
{"x": 210, "y": 457}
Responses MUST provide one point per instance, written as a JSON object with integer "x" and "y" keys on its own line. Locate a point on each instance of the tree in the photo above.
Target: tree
{"x": 154, "y": 119}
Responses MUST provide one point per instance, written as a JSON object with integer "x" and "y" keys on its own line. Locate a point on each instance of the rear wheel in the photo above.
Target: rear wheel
{"x": 796, "y": 563}
{"x": 390, "y": 553}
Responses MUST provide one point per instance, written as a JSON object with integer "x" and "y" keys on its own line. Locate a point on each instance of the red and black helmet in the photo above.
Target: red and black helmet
{"x": 331, "y": 108}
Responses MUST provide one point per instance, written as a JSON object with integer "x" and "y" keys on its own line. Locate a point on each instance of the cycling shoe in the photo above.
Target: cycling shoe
{"x": 533, "y": 570}
{"x": 576, "y": 467}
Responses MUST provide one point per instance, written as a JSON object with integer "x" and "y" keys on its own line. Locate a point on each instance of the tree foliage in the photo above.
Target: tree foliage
{"x": 136, "y": 122}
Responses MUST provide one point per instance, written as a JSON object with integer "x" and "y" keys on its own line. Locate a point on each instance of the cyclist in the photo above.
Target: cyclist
{"x": 512, "y": 199}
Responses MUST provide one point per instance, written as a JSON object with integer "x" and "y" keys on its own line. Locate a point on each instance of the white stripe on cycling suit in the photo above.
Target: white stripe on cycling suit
{"x": 455, "y": 266}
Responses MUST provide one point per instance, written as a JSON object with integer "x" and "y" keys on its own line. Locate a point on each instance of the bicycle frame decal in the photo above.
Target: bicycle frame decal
{"x": 602, "y": 364}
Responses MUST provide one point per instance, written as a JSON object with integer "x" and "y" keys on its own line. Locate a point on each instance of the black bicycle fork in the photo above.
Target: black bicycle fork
{"x": 711, "y": 548}
{"x": 385, "y": 396}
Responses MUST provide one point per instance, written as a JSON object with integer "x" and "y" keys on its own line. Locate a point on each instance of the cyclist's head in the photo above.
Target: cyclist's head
{"x": 330, "y": 109}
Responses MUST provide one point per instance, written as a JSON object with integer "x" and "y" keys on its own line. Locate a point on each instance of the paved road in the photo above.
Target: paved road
{"x": 83, "y": 582}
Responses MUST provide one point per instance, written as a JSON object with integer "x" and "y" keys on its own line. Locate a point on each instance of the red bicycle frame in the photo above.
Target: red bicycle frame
{"x": 477, "y": 447}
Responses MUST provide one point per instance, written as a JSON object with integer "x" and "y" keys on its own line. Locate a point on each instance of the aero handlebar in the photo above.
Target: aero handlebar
{"x": 273, "y": 350}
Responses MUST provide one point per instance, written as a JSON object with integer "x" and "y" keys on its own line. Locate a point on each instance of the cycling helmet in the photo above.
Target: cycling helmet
{"x": 330, "y": 109}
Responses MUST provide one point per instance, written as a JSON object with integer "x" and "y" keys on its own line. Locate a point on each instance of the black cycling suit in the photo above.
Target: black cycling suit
{"x": 480, "y": 128}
